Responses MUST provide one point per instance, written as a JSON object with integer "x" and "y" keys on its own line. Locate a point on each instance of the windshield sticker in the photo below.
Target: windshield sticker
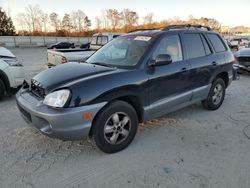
{"x": 142, "y": 38}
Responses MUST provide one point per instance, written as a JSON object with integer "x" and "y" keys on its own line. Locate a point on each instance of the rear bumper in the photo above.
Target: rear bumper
{"x": 65, "y": 124}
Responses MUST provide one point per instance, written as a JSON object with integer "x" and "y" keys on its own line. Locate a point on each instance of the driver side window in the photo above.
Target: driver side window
{"x": 170, "y": 45}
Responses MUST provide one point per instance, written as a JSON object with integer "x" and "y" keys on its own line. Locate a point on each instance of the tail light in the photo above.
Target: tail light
{"x": 64, "y": 60}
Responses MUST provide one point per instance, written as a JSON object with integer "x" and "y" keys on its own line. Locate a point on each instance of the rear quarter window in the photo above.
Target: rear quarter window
{"x": 216, "y": 42}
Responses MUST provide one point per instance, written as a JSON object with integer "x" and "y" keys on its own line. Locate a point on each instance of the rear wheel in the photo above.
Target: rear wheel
{"x": 2, "y": 89}
{"x": 216, "y": 95}
{"x": 115, "y": 127}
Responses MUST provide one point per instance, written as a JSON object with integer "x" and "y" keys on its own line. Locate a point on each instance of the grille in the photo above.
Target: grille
{"x": 37, "y": 88}
{"x": 25, "y": 113}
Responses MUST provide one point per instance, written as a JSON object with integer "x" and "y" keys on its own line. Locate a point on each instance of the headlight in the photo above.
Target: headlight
{"x": 57, "y": 98}
{"x": 12, "y": 62}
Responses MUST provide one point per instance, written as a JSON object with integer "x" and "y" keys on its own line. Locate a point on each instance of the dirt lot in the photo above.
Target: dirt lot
{"x": 191, "y": 148}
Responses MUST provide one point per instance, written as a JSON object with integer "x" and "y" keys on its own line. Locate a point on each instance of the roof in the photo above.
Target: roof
{"x": 150, "y": 33}
{"x": 171, "y": 28}
{"x": 108, "y": 33}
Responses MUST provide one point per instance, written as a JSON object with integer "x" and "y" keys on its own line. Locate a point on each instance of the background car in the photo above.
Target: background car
{"x": 61, "y": 45}
{"x": 60, "y": 56}
{"x": 238, "y": 43}
{"x": 11, "y": 73}
{"x": 85, "y": 45}
{"x": 242, "y": 60}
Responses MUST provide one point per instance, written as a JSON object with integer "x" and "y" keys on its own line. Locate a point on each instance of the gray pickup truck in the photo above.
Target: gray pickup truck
{"x": 60, "y": 56}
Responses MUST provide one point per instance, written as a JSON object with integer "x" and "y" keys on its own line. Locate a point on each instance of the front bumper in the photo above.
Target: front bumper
{"x": 240, "y": 68}
{"x": 65, "y": 123}
{"x": 15, "y": 75}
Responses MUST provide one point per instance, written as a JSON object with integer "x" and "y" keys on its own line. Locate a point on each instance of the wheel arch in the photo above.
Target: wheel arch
{"x": 224, "y": 76}
{"x": 5, "y": 80}
{"x": 133, "y": 100}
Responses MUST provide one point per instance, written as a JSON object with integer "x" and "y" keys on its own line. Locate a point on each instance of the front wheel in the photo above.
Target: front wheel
{"x": 216, "y": 95}
{"x": 115, "y": 127}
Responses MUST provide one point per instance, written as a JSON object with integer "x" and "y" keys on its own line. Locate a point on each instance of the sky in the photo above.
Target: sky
{"x": 227, "y": 12}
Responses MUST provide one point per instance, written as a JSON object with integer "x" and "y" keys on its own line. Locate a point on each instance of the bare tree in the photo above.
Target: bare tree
{"x": 148, "y": 19}
{"x": 114, "y": 18}
{"x": 31, "y": 19}
{"x": 87, "y": 23}
{"x": 33, "y": 15}
{"x": 44, "y": 19}
{"x": 98, "y": 23}
{"x": 55, "y": 21}
{"x": 104, "y": 19}
{"x": 129, "y": 17}
{"x": 78, "y": 20}
{"x": 24, "y": 22}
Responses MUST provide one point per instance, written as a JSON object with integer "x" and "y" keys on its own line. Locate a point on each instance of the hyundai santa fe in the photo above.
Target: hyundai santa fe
{"x": 134, "y": 78}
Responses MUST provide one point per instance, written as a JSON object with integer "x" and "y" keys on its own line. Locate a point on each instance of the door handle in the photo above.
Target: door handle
{"x": 184, "y": 69}
{"x": 214, "y": 63}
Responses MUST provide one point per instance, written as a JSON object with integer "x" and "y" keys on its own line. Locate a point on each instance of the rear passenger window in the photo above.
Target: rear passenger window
{"x": 194, "y": 45}
{"x": 216, "y": 42}
{"x": 170, "y": 45}
{"x": 207, "y": 48}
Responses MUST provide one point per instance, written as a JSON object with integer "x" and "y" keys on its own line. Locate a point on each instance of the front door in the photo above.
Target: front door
{"x": 169, "y": 85}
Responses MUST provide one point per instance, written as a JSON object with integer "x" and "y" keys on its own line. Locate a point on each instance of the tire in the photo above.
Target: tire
{"x": 115, "y": 127}
{"x": 216, "y": 95}
{"x": 2, "y": 89}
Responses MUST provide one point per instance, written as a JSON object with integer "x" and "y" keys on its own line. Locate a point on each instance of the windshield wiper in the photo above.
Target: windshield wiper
{"x": 103, "y": 64}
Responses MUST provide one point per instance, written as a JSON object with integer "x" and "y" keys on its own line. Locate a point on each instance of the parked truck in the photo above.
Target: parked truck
{"x": 60, "y": 56}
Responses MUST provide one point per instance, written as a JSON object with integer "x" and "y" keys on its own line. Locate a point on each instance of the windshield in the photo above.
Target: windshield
{"x": 122, "y": 51}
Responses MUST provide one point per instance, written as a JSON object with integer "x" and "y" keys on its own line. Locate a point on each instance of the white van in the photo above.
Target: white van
{"x": 11, "y": 72}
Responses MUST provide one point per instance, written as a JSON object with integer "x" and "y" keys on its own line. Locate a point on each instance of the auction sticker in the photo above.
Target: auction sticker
{"x": 142, "y": 38}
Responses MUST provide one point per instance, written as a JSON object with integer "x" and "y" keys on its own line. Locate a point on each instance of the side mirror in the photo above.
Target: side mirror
{"x": 161, "y": 59}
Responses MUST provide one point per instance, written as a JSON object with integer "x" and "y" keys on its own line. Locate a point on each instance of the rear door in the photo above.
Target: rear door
{"x": 200, "y": 57}
{"x": 169, "y": 85}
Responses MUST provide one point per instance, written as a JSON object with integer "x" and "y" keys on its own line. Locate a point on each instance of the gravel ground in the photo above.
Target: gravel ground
{"x": 191, "y": 148}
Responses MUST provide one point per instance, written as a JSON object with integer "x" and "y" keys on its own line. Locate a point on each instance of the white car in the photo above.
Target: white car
{"x": 11, "y": 72}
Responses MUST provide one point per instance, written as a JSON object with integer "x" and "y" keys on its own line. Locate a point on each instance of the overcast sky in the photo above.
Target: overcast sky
{"x": 228, "y": 12}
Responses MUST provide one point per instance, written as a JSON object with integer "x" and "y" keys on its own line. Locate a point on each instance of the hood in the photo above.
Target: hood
{"x": 55, "y": 77}
{"x": 5, "y": 52}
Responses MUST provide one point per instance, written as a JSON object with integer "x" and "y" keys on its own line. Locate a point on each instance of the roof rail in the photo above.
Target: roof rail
{"x": 142, "y": 30}
{"x": 186, "y": 26}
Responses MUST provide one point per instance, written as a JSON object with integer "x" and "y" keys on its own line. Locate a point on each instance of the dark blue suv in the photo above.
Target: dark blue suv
{"x": 134, "y": 78}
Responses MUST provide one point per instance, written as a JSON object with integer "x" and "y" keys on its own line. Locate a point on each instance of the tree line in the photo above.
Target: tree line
{"x": 35, "y": 21}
